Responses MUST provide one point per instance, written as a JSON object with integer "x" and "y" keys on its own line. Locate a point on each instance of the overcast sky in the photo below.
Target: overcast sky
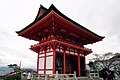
{"x": 99, "y": 16}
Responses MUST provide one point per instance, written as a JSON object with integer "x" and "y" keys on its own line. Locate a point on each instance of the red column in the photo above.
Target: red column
{"x": 54, "y": 61}
{"x": 78, "y": 64}
{"x": 45, "y": 62}
{"x": 38, "y": 63}
{"x": 64, "y": 62}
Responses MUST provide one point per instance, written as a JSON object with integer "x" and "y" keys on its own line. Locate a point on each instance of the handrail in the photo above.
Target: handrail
{"x": 53, "y": 76}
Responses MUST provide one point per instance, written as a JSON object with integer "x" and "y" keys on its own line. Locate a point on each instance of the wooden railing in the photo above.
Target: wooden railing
{"x": 58, "y": 77}
{"x": 52, "y": 76}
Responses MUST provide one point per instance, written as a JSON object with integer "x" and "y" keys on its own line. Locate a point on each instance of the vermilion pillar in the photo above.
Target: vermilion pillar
{"x": 78, "y": 64}
{"x": 38, "y": 63}
{"x": 45, "y": 62}
{"x": 64, "y": 62}
{"x": 54, "y": 61}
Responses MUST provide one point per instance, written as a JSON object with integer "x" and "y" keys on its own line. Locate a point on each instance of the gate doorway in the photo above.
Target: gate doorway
{"x": 74, "y": 65}
{"x": 59, "y": 63}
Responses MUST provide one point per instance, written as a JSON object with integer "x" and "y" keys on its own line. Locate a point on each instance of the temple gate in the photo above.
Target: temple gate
{"x": 61, "y": 42}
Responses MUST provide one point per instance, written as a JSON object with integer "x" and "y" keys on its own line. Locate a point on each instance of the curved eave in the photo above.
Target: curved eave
{"x": 83, "y": 50}
{"x": 52, "y": 7}
{"x": 34, "y": 25}
{"x": 73, "y": 22}
{"x": 77, "y": 27}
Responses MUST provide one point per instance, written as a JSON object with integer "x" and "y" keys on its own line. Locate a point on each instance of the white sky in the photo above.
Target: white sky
{"x": 99, "y": 16}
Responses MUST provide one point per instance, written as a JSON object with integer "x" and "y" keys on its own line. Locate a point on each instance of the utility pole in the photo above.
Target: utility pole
{"x": 20, "y": 71}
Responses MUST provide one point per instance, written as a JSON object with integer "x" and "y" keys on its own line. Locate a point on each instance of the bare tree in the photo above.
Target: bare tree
{"x": 102, "y": 60}
{"x": 108, "y": 61}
